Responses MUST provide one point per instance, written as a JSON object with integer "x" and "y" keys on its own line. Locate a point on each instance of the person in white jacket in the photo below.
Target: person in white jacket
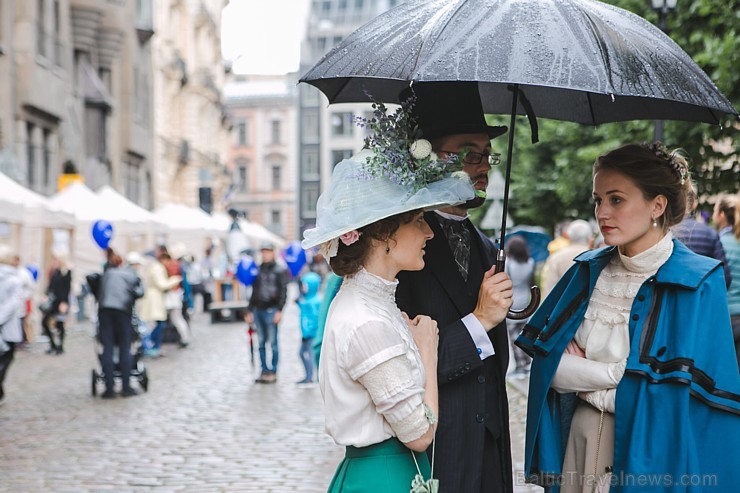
{"x": 10, "y": 323}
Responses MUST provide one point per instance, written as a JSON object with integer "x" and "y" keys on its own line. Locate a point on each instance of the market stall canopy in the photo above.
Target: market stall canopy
{"x": 19, "y": 204}
{"x": 132, "y": 211}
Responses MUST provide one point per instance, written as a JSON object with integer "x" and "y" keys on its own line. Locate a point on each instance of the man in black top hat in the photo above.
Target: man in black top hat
{"x": 458, "y": 289}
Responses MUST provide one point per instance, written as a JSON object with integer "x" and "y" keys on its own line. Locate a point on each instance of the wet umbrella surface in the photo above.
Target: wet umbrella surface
{"x": 575, "y": 60}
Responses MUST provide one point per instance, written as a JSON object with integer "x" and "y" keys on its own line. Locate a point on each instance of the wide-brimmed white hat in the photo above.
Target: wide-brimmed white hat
{"x": 356, "y": 198}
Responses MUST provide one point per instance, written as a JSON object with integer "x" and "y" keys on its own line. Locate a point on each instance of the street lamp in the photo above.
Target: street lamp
{"x": 662, "y": 7}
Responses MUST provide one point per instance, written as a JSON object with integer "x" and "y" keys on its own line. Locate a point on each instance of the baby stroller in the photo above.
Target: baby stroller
{"x": 138, "y": 370}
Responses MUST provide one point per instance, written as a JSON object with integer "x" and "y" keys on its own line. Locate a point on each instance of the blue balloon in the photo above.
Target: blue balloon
{"x": 102, "y": 233}
{"x": 295, "y": 257}
{"x": 34, "y": 271}
{"x": 247, "y": 271}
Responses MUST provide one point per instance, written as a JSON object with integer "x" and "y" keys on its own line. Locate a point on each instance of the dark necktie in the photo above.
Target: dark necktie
{"x": 458, "y": 237}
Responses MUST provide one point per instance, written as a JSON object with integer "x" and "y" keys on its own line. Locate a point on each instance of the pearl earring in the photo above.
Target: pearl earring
{"x": 655, "y": 223}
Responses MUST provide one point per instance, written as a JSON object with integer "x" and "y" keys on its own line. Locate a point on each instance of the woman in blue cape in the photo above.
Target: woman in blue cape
{"x": 634, "y": 384}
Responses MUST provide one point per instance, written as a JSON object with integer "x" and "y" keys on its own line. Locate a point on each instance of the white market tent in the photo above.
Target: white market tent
{"x": 255, "y": 232}
{"x": 155, "y": 229}
{"x": 34, "y": 227}
{"x": 88, "y": 207}
{"x": 188, "y": 225}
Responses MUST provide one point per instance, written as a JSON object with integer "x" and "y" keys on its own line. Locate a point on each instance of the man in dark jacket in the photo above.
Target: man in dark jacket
{"x": 458, "y": 289}
{"x": 699, "y": 237}
{"x": 269, "y": 292}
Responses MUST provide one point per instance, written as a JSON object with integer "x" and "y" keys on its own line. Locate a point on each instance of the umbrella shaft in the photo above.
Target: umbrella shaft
{"x": 507, "y": 179}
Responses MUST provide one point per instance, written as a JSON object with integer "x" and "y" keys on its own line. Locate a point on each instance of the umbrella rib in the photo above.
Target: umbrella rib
{"x": 591, "y": 108}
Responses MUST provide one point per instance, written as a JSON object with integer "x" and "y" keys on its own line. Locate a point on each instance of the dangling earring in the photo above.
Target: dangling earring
{"x": 655, "y": 222}
{"x": 387, "y": 248}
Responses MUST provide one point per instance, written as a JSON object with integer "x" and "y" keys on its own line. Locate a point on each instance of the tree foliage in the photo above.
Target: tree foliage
{"x": 551, "y": 180}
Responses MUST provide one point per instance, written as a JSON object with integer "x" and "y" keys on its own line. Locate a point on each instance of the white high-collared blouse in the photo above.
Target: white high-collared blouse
{"x": 370, "y": 374}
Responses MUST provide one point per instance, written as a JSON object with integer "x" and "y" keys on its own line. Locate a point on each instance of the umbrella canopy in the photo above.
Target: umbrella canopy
{"x": 575, "y": 60}
{"x": 537, "y": 240}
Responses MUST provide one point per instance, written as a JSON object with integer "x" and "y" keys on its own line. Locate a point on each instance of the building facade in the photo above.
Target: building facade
{"x": 327, "y": 134}
{"x": 76, "y": 86}
{"x": 191, "y": 127}
{"x": 262, "y": 157}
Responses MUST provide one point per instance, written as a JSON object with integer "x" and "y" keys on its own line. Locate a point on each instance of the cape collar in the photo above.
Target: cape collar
{"x": 683, "y": 267}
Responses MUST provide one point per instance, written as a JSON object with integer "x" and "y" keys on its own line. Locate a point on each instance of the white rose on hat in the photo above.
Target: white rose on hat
{"x": 421, "y": 148}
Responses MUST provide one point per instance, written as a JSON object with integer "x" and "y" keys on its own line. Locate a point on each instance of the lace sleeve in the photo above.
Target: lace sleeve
{"x": 398, "y": 398}
{"x": 576, "y": 374}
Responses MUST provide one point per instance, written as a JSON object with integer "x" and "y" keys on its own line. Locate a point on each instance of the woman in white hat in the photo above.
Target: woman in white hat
{"x": 378, "y": 368}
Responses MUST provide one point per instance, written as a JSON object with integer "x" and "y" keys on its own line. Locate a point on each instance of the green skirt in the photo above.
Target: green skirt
{"x": 386, "y": 467}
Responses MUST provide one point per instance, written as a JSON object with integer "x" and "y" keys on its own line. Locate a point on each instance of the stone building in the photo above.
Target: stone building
{"x": 191, "y": 127}
{"x": 327, "y": 134}
{"x": 76, "y": 85}
{"x": 262, "y": 157}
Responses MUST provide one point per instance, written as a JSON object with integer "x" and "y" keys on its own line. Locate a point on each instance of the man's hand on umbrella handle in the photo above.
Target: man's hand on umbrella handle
{"x": 495, "y": 297}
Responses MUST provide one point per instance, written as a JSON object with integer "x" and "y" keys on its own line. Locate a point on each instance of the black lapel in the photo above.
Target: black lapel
{"x": 438, "y": 258}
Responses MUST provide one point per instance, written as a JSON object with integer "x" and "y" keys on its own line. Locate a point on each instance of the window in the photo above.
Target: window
{"x": 46, "y": 159}
{"x": 309, "y": 95}
{"x": 41, "y": 28}
{"x": 39, "y": 157}
{"x": 309, "y": 197}
{"x": 30, "y": 155}
{"x": 96, "y": 134}
{"x": 276, "y": 177}
{"x": 275, "y": 217}
{"x": 132, "y": 177}
{"x": 242, "y": 175}
{"x": 58, "y": 47}
{"x": 275, "y": 127}
{"x": 339, "y": 155}
{"x": 241, "y": 133}
{"x": 310, "y": 164}
{"x": 341, "y": 124}
{"x": 310, "y": 127}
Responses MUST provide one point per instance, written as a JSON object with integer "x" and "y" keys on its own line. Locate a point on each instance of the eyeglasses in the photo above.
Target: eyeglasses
{"x": 493, "y": 158}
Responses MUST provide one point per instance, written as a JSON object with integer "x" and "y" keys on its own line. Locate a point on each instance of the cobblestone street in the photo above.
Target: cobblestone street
{"x": 204, "y": 426}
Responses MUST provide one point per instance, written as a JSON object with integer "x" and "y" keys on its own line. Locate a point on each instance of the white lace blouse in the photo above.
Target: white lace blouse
{"x": 370, "y": 373}
{"x": 604, "y": 331}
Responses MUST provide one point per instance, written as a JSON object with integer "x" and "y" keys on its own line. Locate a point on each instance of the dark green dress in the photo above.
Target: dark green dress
{"x": 386, "y": 467}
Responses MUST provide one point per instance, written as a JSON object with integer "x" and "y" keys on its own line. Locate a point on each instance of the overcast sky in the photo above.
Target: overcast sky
{"x": 263, "y": 36}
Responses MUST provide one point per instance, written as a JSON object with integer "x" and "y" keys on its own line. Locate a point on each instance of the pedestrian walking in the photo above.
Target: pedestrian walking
{"x": 633, "y": 349}
{"x": 120, "y": 287}
{"x": 28, "y": 285}
{"x": 11, "y": 302}
{"x": 265, "y": 309}
{"x": 55, "y": 306}
{"x": 153, "y": 308}
{"x": 309, "y": 303}
{"x": 726, "y": 217}
{"x": 378, "y": 369}
{"x": 520, "y": 268}
{"x": 699, "y": 237}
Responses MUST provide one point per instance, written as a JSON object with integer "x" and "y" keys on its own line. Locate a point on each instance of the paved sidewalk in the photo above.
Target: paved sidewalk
{"x": 204, "y": 426}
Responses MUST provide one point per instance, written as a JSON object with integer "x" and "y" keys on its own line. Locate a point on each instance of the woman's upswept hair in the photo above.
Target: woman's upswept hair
{"x": 350, "y": 258}
{"x": 729, "y": 205}
{"x": 655, "y": 171}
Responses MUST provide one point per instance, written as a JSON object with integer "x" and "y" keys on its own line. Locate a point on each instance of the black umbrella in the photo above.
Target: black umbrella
{"x": 573, "y": 60}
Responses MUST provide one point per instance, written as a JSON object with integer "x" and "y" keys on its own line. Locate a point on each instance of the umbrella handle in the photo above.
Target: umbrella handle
{"x": 534, "y": 291}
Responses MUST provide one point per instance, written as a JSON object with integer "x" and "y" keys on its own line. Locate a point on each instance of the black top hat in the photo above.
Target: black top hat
{"x": 448, "y": 108}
